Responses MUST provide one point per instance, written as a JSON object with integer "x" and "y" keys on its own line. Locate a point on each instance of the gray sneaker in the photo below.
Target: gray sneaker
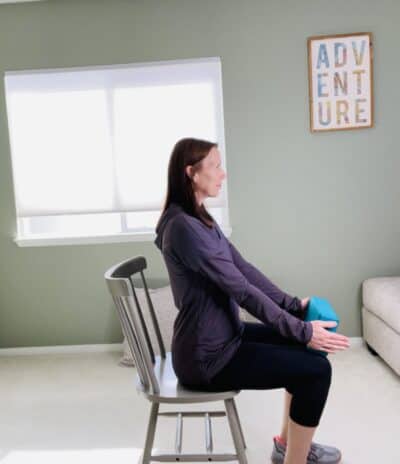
{"x": 318, "y": 454}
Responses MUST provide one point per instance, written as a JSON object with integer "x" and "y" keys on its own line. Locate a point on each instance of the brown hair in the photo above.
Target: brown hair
{"x": 187, "y": 152}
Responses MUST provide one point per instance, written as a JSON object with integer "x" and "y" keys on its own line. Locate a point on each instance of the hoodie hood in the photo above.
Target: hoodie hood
{"x": 173, "y": 210}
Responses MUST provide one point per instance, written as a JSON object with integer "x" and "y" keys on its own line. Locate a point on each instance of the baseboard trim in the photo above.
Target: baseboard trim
{"x": 61, "y": 349}
{"x": 355, "y": 342}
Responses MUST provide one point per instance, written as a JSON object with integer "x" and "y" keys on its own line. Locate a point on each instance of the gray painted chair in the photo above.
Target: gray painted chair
{"x": 156, "y": 379}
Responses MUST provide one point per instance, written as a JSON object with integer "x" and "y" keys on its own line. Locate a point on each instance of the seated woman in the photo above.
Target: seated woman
{"x": 212, "y": 348}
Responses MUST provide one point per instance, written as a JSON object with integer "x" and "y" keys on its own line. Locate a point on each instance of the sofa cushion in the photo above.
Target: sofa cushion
{"x": 381, "y": 296}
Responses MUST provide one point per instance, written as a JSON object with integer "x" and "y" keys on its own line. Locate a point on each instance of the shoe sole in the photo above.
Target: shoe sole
{"x": 272, "y": 462}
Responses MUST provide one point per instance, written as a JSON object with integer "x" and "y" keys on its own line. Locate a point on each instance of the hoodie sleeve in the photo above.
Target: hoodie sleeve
{"x": 259, "y": 280}
{"x": 200, "y": 254}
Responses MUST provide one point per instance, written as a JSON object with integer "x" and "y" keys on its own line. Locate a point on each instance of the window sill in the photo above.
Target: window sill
{"x": 94, "y": 239}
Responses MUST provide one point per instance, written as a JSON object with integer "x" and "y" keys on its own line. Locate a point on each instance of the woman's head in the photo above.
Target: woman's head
{"x": 194, "y": 173}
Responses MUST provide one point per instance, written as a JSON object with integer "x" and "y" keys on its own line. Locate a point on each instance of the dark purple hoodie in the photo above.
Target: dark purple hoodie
{"x": 209, "y": 280}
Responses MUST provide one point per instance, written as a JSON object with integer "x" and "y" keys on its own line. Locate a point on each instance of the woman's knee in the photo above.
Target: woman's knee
{"x": 327, "y": 366}
{"x": 325, "y": 371}
{"x": 320, "y": 369}
{"x": 317, "y": 373}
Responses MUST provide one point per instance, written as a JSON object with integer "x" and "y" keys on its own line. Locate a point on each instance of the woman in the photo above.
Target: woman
{"x": 212, "y": 349}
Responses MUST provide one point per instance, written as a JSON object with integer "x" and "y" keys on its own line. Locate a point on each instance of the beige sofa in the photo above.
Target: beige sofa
{"x": 381, "y": 318}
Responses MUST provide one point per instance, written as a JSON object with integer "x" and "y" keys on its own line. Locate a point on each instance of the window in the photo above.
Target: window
{"x": 90, "y": 146}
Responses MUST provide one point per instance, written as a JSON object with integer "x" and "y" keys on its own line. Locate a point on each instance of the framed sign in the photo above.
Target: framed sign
{"x": 340, "y": 82}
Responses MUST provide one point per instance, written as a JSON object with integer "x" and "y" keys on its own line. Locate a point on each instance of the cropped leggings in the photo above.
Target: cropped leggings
{"x": 266, "y": 360}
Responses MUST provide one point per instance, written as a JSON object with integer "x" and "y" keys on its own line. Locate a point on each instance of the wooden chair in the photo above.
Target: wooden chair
{"x": 156, "y": 379}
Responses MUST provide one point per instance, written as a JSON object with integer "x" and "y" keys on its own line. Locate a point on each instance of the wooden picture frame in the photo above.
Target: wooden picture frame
{"x": 340, "y": 82}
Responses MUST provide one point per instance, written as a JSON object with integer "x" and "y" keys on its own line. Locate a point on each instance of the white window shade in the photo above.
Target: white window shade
{"x": 98, "y": 140}
{"x": 62, "y": 153}
{"x": 146, "y": 121}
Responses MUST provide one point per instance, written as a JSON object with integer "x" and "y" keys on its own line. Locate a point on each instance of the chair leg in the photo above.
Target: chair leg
{"x": 151, "y": 430}
{"x": 235, "y": 430}
{"x": 238, "y": 421}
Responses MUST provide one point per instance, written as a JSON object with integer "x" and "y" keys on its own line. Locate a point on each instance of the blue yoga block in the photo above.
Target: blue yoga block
{"x": 320, "y": 309}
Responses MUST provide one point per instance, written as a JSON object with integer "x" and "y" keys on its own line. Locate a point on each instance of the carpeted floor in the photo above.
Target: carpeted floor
{"x": 83, "y": 408}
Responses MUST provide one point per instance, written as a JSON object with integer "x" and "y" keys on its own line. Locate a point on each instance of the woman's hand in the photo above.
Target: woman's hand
{"x": 324, "y": 340}
{"x": 304, "y": 303}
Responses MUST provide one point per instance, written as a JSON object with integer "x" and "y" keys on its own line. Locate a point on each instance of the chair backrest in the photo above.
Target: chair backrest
{"x": 120, "y": 284}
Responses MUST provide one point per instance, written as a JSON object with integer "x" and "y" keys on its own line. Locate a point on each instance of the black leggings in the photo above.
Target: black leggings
{"x": 266, "y": 360}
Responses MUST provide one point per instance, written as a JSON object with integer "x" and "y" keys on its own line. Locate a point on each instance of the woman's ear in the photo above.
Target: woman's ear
{"x": 188, "y": 171}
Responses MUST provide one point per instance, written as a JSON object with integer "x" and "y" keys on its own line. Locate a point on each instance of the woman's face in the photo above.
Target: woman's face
{"x": 207, "y": 180}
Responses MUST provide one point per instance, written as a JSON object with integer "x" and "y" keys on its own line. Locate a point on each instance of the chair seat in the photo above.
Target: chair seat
{"x": 171, "y": 391}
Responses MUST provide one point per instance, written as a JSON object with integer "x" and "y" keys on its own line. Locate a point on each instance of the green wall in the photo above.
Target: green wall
{"x": 318, "y": 213}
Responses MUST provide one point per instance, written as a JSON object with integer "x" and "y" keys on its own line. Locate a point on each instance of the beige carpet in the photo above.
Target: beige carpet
{"x": 83, "y": 408}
